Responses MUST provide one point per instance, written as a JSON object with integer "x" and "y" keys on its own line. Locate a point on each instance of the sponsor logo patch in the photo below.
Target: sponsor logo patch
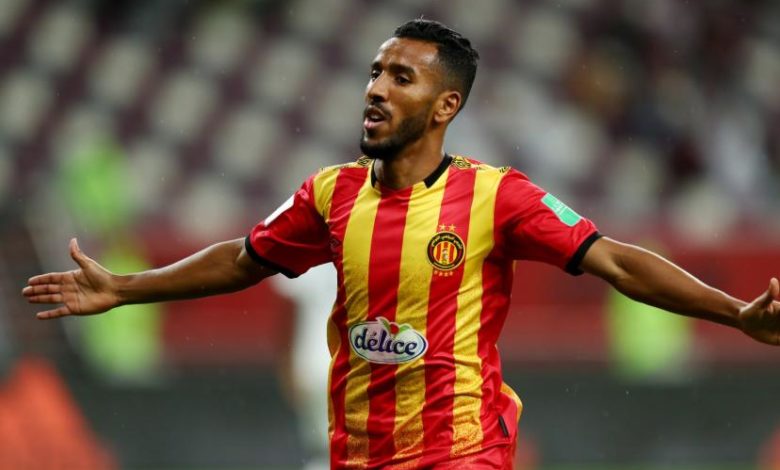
{"x": 385, "y": 342}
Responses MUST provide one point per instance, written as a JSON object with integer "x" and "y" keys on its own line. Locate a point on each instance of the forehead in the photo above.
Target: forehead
{"x": 414, "y": 53}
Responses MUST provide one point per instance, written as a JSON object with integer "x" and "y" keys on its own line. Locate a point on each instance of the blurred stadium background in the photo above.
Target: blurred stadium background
{"x": 150, "y": 129}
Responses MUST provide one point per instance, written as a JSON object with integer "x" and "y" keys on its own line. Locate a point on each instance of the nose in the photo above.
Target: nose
{"x": 376, "y": 90}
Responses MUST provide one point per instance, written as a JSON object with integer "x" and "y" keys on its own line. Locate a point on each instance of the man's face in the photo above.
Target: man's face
{"x": 404, "y": 83}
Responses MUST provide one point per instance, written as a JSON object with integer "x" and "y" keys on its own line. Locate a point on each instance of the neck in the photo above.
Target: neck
{"x": 412, "y": 165}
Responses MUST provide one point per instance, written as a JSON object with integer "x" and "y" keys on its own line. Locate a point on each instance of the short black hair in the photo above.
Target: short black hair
{"x": 455, "y": 53}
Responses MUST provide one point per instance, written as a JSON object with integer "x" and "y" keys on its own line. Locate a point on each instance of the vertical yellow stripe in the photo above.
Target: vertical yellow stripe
{"x": 467, "y": 427}
{"x": 413, "y": 292}
{"x": 507, "y": 390}
{"x": 324, "y": 184}
{"x": 356, "y": 254}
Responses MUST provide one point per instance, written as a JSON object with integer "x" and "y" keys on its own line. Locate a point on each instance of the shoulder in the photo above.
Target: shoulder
{"x": 461, "y": 162}
{"x": 323, "y": 183}
{"x": 329, "y": 173}
{"x": 502, "y": 175}
{"x": 362, "y": 163}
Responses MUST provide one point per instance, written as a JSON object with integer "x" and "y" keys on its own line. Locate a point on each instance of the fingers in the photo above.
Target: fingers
{"x": 45, "y": 299}
{"x": 78, "y": 256}
{"x": 39, "y": 289}
{"x": 55, "y": 278}
{"x": 771, "y": 294}
{"x": 50, "y": 278}
{"x": 55, "y": 313}
{"x": 43, "y": 294}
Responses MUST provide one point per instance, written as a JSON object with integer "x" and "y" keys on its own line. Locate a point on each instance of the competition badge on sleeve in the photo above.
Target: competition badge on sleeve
{"x": 564, "y": 213}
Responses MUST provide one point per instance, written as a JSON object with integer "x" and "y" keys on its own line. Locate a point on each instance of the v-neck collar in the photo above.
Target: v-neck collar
{"x": 429, "y": 180}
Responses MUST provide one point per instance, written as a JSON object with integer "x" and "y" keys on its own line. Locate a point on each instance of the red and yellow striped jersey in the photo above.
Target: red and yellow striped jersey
{"x": 424, "y": 280}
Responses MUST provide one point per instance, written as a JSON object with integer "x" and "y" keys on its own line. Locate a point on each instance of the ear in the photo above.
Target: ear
{"x": 447, "y": 106}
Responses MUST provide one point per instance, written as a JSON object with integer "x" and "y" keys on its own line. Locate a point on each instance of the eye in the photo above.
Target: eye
{"x": 402, "y": 80}
{"x": 374, "y": 75}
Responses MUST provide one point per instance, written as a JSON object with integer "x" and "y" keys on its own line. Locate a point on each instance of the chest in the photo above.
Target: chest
{"x": 430, "y": 233}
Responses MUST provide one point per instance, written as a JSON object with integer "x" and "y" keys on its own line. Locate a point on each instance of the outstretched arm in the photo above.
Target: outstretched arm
{"x": 221, "y": 268}
{"x": 649, "y": 278}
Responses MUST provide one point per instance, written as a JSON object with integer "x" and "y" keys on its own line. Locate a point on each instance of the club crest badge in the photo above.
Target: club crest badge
{"x": 446, "y": 250}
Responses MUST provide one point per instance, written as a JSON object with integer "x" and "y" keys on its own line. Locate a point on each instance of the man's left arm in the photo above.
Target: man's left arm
{"x": 646, "y": 277}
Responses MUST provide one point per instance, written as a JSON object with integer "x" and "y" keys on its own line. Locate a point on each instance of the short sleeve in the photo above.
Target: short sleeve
{"x": 293, "y": 238}
{"x": 535, "y": 225}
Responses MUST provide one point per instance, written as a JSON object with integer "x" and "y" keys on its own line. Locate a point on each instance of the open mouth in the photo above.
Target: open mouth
{"x": 373, "y": 117}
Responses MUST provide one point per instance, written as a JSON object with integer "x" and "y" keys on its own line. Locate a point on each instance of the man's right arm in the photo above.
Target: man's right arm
{"x": 221, "y": 268}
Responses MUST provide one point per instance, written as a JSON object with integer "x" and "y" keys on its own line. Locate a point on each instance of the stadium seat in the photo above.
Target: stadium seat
{"x": 543, "y": 41}
{"x": 119, "y": 70}
{"x": 762, "y": 73}
{"x": 84, "y": 125}
{"x": 317, "y": 19}
{"x": 59, "y": 38}
{"x": 209, "y": 208}
{"x": 7, "y": 173}
{"x": 243, "y": 146}
{"x": 26, "y": 96}
{"x": 515, "y": 105}
{"x": 630, "y": 200}
{"x": 370, "y": 32}
{"x": 702, "y": 212}
{"x": 184, "y": 102}
{"x": 342, "y": 126}
{"x": 219, "y": 40}
{"x": 10, "y": 14}
{"x": 154, "y": 171}
{"x": 302, "y": 161}
{"x": 279, "y": 75}
{"x": 481, "y": 28}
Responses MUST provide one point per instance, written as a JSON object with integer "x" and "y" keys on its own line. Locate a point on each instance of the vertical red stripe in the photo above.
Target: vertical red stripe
{"x": 348, "y": 184}
{"x": 443, "y": 300}
{"x": 496, "y": 290}
{"x": 496, "y": 284}
{"x": 383, "y": 280}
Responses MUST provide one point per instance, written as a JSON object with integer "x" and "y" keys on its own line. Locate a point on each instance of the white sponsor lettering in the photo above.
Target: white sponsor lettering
{"x": 385, "y": 342}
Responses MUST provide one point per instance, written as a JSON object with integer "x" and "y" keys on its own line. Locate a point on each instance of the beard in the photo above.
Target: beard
{"x": 409, "y": 131}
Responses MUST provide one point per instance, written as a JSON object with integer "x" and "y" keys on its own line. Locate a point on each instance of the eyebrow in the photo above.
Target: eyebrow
{"x": 394, "y": 67}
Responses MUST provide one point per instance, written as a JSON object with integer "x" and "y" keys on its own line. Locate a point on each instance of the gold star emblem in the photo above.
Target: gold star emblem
{"x": 452, "y": 228}
{"x": 442, "y": 228}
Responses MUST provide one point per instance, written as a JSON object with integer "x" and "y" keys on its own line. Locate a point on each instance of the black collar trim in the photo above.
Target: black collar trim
{"x": 430, "y": 179}
{"x": 445, "y": 162}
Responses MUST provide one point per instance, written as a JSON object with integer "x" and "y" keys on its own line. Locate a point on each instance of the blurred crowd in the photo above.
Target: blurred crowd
{"x": 637, "y": 113}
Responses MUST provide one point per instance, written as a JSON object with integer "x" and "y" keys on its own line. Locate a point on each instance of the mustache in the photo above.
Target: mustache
{"x": 376, "y": 107}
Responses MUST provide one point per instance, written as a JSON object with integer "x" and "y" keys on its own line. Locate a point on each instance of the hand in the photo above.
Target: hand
{"x": 85, "y": 291}
{"x": 760, "y": 319}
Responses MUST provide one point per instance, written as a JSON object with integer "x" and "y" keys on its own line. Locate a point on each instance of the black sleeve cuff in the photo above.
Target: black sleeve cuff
{"x": 265, "y": 262}
{"x": 573, "y": 266}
